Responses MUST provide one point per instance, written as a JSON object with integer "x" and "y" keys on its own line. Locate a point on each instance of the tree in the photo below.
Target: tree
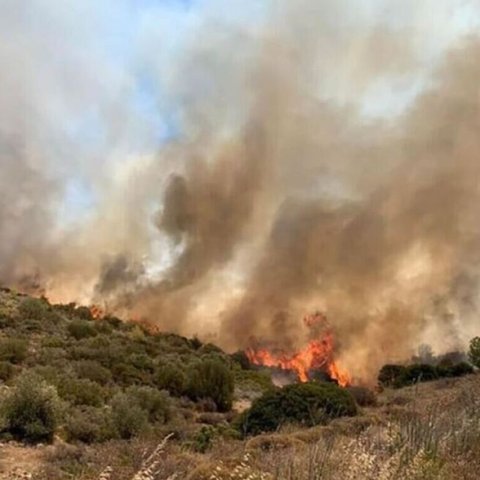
{"x": 474, "y": 351}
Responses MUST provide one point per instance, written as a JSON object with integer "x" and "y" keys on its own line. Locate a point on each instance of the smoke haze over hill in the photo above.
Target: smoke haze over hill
{"x": 254, "y": 174}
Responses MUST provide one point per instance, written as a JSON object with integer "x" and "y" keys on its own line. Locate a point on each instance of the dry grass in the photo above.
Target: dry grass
{"x": 433, "y": 433}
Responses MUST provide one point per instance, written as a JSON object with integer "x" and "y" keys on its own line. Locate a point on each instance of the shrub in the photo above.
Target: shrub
{"x": 255, "y": 380}
{"x": 241, "y": 358}
{"x": 474, "y": 351}
{"x": 363, "y": 396}
{"x": 79, "y": 329}
{"x": 170, "y": 377}
{"x": 127, "y": 374}
{"x": 83, "y": 313}
{"x": 156, "y": 403}
{"x": 213, "y": 379}
{"x": 307, "y": 403}
{"x": 92, "y": 370}
{"x": 89, "y": 425}
{"x": 456, "y": 370}
{"x": 203, "y": 439}
{"x": 32, "y": 409}
{"x": 33, "y": 309}
{"x": 129, "y": 419}
{"x": 81, "y": 392}
{"x": 391, "y": 375}
{"x": 6, "y": 371}
{"x": 13, "y": 350}
{"x": 141, "y": 361}
{"x": 419, "y": 372}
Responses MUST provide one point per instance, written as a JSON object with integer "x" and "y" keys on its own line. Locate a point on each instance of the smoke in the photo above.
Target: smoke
{"x": 320, "y": 158}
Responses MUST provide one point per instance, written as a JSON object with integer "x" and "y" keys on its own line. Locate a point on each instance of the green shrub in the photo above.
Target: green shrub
{"x": 256, "y": 380}
{"x": 241, "y": 359}
{"x": 419, "y": 372}
{"x": 82, "y": 392}
{"x": 32, "y": 409}
{"x": 141, "y": 361}
{"x": 171, "y": 378}
{"x": 203, "y": 439}
{"x": 129, "y": 419}
{"x": 155, "y": 402}
{"x": 456, "y": 370}
{"x": 92, "y": 370}
{"x": 79, "y": 329}
{"x": 89, "y": 424}
{"x": 307, "y": 403}
{"x": 127, "y": 374}
{"x": 6, "y": 371}
{"x": 474, "y": 351}
{"x": 391, "y": 375}
{"x": 211, "y": 378}
{"x": 13, "y": 350}
{"x": 84, "y": 313}
{"x": 33, "y": 309}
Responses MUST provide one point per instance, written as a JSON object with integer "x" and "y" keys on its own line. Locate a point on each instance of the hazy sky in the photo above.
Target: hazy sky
{"x": 100, "y": 82}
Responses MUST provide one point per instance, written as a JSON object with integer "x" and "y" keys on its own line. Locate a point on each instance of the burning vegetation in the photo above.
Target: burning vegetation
{"x": 317, "y": 356}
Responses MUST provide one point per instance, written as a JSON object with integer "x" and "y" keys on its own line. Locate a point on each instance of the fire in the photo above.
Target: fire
{"x": 317, "y": 355}
{"x": 97, "y": 312}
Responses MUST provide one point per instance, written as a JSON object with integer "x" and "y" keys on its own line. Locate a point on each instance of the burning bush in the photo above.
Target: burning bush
{"x": 307, "y": 403}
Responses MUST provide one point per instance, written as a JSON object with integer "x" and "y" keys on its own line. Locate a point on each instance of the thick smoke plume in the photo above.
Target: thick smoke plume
{"x": 277, "y": 196}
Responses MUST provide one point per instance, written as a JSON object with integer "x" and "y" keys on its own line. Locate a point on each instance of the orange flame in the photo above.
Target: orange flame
{"x": 97, "y": 312}
{"x": 317, "y": 355}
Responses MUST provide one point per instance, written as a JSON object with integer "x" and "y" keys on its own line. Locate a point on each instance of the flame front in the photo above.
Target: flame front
{"x": 317, "y": 355}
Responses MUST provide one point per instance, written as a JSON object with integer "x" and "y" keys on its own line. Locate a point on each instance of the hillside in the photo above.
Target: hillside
{"x": 126, "y": 398}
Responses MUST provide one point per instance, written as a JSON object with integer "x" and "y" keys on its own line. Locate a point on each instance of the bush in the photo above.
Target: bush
{"x": 213, "y": 379}
{"x": 32, "y": 410}
{"x": 127, "y": 374}
{"x": 13, "y": 350}
{"x": 419, "y": 372}
{"x": 254, "y": 380}
{"x": 391, "y": 375}
{"x": 92, "y": 370}
{"x": 307, "y": 403}
{"x": 6, "y": 371}
{"x": 203, "y": 439}
{"x": 156, "y": 403}
{"x": 81, "y": 392}
{"x": 129, "y": 419}
{"x": 363, "y": 396}
{"x": 33, "y": 309}
{"x": 79, "y": 329}
{"x": 84, "y": 313}
{"x": 241, "y": 358}
{"x": 171, "y": 378}
{"x": 456, "y": 370}
{"x": 89, "y": 425}
{"x": 474, "y": 351}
